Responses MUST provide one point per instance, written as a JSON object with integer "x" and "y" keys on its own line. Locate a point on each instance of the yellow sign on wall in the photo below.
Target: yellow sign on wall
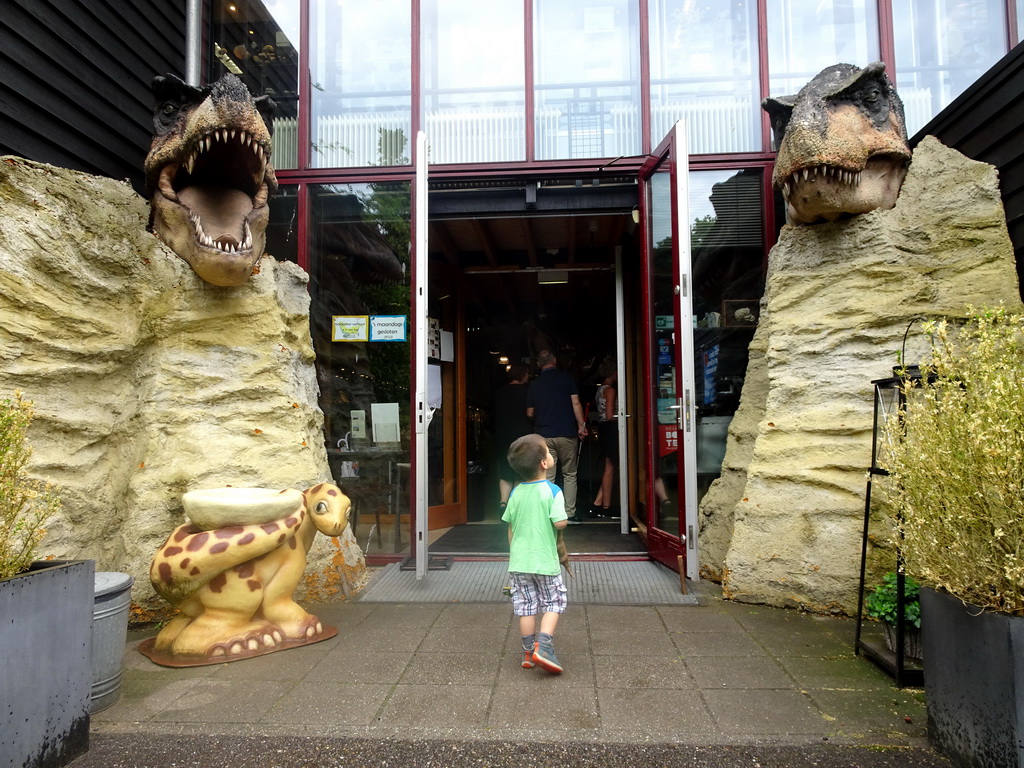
{"x": 350, "y": 328}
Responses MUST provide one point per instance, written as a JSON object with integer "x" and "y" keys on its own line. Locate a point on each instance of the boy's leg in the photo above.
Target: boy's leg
{"x": 553, "y": 603}
{"x": 526, "y": 605}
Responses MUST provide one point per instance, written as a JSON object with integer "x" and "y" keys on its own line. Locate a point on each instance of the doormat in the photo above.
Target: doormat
{"x": 635, "y": 582}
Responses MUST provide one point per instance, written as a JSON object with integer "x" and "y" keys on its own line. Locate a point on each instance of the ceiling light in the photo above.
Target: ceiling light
{"x": 552, "y": 276}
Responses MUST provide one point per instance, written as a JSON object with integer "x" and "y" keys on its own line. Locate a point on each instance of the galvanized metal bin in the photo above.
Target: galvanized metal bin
{"x": 109, "y": 630}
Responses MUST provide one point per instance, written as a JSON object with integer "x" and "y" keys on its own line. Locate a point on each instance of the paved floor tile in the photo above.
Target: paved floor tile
{"x": 842, "y": 672}
{"x": 452, "y": 669}
{"x": 627, "y": 643}
{"x": 328, "y": 704}
{"x": 355, "y": 665}
{"x": 436, "y": 706}
{"x": 716, "y": 672}
{"x": 708, "y": 644}
{"x": 223, "y": 701}
{"x": 633, "y": 672}
{"x": 749, "y": 712}
{"x": 470, "y": 639}
{"x": 625, "y": 618}
{"x": 656, "y": 712}
{"x": 700, "y": 619}
{"x": 546, "y": 705}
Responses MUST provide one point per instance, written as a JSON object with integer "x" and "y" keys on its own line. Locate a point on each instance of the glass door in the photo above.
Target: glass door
{"x": 669, "y": 376}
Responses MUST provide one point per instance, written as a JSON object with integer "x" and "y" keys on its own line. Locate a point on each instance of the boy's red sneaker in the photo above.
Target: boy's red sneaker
{"x": 528, "y": 658}
{"x": 544, "y": 657}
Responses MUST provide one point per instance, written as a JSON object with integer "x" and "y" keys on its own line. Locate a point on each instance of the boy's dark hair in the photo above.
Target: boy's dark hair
{"x": 525, "y": 454}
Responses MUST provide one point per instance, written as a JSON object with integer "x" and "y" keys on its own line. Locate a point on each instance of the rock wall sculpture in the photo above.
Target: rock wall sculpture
{"x": 149, "y": 382}
{"x": 782, "y": 525}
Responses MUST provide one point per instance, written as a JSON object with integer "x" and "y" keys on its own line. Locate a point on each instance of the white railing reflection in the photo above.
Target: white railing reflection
{"x": 720, "y": 124}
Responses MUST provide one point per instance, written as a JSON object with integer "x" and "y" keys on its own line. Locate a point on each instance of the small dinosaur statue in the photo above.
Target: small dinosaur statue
{"x": 209, "y": 175}
{"x": 842, "y": 144}
{"x": 233, "y": 585}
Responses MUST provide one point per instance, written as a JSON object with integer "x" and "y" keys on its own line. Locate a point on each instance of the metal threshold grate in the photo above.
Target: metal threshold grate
{"x": 596, "y": 583}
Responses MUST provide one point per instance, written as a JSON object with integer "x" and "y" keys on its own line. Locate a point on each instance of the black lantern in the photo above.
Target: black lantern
{"x": 890, "y": 402}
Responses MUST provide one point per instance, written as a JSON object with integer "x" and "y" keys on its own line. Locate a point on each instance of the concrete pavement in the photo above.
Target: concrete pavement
{"x": 717, "y": 684}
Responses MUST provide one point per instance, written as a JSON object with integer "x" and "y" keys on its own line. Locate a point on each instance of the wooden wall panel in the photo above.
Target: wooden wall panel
{"x": 74, "y": 80}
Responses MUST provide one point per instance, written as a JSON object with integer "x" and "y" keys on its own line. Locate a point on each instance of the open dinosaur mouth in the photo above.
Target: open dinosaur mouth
{"x": 878, "y": 168}
{"x": 221, "y": 182}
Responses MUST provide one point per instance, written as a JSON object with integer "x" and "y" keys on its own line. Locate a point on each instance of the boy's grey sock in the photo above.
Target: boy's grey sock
{"x": 528, "y": 641}
{"x": 544, "y": 638}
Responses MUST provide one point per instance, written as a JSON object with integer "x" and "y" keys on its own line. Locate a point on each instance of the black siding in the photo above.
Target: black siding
{"x": 74, "y": 80}
{"x": 985, "y": 123}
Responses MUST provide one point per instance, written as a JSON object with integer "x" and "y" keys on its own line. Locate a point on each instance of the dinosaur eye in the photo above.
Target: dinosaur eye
{"x": 873, "y": 95}
{"x": 321, "y": 508}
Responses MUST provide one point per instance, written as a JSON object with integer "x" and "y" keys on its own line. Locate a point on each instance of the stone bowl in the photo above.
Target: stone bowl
{"x": 215, "y": 508}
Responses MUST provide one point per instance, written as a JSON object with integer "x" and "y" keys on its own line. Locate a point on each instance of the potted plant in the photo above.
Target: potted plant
{"x": 882, "y": 604}
{"x": 956, "y": 462}
{"x": 47, "y": 609}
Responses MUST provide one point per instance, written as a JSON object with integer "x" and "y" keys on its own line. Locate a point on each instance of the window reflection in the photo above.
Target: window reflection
{"x": 805, "y": 36}
{"x": 727, "y": 247}
{"x": 361, "y": 77}
{"x": 704, "y": 65}
{"x": 941, "y": 48}
{"x": 587, "y": 79}
{"x": 283, "y": 227}
{"x": 474, "y": 99}
{"x": 260, "y": 44}
{"x": 358, "y": 275}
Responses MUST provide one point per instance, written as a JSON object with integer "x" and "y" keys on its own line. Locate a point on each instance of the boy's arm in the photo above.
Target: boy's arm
{"x": 558, "y": 526}
{"x": 510, "y": 534}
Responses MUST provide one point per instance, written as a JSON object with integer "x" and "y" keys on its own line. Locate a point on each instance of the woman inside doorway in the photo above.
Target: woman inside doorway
{"x": 607, "y": 438}
{"x": 510, "y": 423}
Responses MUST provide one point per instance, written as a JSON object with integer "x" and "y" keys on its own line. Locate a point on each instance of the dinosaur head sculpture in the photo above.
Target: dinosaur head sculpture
{"x": 209, "y": 175}
{"x": 842, "y": 144}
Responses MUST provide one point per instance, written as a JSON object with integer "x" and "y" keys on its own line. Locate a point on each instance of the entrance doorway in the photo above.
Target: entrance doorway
{"x": 505, "y": 284}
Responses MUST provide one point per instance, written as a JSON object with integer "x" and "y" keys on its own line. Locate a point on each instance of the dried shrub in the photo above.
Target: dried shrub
{"x": 25, "y": 503}
{"x": 956, "y": 460}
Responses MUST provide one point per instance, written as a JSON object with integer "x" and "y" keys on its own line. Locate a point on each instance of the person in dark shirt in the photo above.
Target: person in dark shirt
{"x": 510, "y": 423}
{"x": 553, "y": 402}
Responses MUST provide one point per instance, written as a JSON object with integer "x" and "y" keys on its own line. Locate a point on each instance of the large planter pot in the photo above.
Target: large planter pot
{"x": 974, "y": 682}
{"x": 46, "y": 672}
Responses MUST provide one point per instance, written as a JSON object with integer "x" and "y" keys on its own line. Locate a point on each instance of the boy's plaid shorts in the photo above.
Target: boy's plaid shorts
{"x": 533, "y": 593}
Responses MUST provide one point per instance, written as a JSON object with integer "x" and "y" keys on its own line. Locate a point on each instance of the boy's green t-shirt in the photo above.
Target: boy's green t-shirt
{"x": 532, "y": 508}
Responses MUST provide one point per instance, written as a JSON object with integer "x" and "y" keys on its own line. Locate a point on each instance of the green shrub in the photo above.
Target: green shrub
{"x": 25, "y": 504}
{"x": 957, "y": 462}
{"x": 881, "y": 603}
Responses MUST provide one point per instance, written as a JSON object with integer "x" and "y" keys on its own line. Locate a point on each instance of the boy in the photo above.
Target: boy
{"x": 536, "y": 509}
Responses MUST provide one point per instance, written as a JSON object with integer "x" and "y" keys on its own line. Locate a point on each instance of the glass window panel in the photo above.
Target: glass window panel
{"x": 361, "y": 73}
{"x": 805, "y": 36}
{"x": 727, "y": 249}
{"x": 704, "y": 60}
{"x": 359, "y": 265}
{"x": 587, "y": 84}
{"x": 259, "y": 42}
{"x": 283, "y": 227}
{"x": 474, "y": 97}
{"x": 942, "y": 47}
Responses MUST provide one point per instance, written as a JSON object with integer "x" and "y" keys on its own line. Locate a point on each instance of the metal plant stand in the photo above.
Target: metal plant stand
{"x": 890, "y": 403}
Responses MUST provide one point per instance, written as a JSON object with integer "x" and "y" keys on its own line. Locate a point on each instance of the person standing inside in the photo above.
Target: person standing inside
{"x": 553, "y": 402}
{"x": 510, "y": 422}
{"x": 607, "y": 439}
{"x": 535, "y": 512}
